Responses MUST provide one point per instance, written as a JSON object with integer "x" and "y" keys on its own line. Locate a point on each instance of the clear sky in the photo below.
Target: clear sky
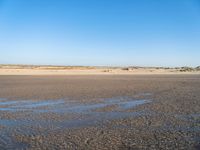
{"x": 100, "y": 32}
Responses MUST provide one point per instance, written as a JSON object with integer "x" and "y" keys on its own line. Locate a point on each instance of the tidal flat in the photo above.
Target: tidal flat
{"x": 100, "y": 112}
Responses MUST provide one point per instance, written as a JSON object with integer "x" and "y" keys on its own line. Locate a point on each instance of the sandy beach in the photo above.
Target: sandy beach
{"x": 100, "y": 75}
{"x": 73, "y": 70}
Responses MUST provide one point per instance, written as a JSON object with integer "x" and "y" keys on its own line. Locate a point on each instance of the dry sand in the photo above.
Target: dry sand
{"x": 67, "y": 70}
{"x": 169, "y": 120}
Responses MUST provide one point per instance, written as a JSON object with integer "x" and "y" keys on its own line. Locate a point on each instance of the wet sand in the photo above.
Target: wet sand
{"x": 100, "y": 112}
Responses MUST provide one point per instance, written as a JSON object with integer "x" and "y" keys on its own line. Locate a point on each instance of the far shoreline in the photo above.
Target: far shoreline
{"x": 91, "y": 70}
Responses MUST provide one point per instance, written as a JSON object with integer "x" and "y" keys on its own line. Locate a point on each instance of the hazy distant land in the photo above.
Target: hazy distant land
{"x": 87, "y": 70}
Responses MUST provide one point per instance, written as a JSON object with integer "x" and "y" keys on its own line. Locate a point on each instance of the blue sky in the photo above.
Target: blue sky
{"x": 100, "y": 32}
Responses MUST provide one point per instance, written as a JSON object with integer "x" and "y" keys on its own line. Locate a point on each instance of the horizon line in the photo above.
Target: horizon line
{"x": 100, "y": 66}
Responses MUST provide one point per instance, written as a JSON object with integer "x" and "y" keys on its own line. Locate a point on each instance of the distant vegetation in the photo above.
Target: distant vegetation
{"x": 181, "y": 69}
{"x": 105, "y": 68}
{"x": 198, "y": 68}
{"x": 126, "y": 69}
{"x": 187, "y": 69}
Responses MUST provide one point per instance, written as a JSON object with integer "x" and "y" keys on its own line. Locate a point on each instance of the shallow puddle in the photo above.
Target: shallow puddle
{"x": 24, "y": 105}
{"x": 64, "y": 106}
{"x": 11, "y": 122}
{"x": 72, "y": 107}
{"x": 130, "y": 104}
{"x": 89, "y": 115}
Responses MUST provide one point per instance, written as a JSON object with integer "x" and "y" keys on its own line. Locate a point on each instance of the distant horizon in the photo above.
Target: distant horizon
{"x": 100, "y": 33}
{"x": 97, "y": 66}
